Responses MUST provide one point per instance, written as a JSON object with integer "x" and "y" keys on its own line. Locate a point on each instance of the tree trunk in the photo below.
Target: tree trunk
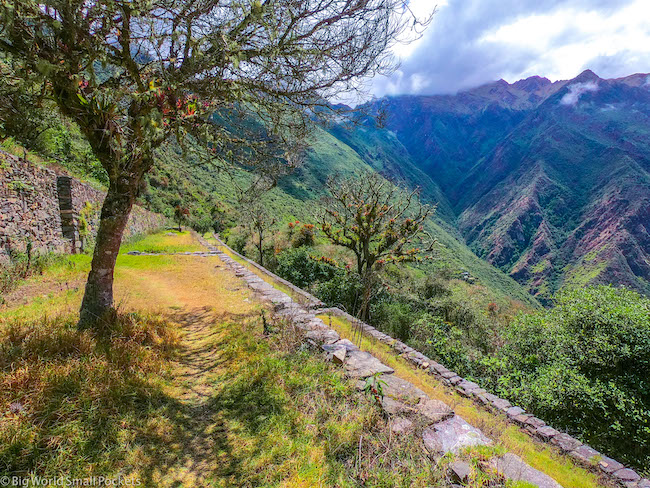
{"x": 98, "y": 296}
{"x": 366, "y": 280}
{"x": 260, "y": 249}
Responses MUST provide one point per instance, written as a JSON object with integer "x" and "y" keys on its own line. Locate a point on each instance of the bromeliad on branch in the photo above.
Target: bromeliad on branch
{"x": 378, "y": 221}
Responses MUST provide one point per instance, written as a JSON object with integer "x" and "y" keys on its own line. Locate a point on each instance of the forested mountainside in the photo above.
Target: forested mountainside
{"x": 550, "y": 182}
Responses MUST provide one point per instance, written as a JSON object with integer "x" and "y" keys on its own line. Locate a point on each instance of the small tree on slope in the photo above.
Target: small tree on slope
{"x": 135, "y": 73}
{"x": 379, "y": 222}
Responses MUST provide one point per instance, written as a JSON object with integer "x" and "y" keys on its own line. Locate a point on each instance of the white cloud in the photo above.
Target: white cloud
{"x": 576, "y": 90}
{"x": 471, "y": 42}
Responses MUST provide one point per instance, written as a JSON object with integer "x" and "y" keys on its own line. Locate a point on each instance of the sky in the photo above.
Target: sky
{"x": 472, "y": 42}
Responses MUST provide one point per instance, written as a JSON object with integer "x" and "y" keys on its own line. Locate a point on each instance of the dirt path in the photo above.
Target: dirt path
{"x": 195, "y": 440}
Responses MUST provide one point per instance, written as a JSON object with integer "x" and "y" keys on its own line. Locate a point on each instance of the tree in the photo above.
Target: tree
{"x": 181, "y": 214}
{"x": 378, "y": 221}
{"x": 259, "y": 221}
{"x": 245, "y": 79}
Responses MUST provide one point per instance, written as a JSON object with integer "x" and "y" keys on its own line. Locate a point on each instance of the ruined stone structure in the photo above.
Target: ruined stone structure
{"x": 53, "y": 212}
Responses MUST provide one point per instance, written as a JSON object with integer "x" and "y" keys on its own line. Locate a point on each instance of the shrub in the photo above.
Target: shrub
{"x": 304, "y": 236}
{"x": 343, "y": 290}
{"x": 583, "y": 366}
{"x": 300, "y": 268}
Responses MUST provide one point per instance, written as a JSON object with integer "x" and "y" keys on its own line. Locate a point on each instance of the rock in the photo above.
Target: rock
{"x": 546, "y": 433}
{"x": 455, "y": 380}
{"x": 521, "y": 418}
{"x": 400, "y": 389}
{"x": 460, "y": 471}
{"x": 584, "y": 454}
{"x": 609, "y": 465}
{"x": 338, "y": 356}
{"x": 644, "y": 483}
{"x": 319, "y": 337}
{"x": 501, "y": 404}
{"x": 565, "y": 442}
{"x": 626, "y": 475}
{"x": 361, "y": 364}
{"x": 348, "y": 345}
{"x": 393, "y": 407}
{"x": 512, "y": 467}
{"x": 435, "y": 411}
{"x": 452, "y": 436}
{"x": 535, "y": 423}
{"x": 514, "y": 411}
{"x": 400, "y": 425}
{"x": 438, "y": 368}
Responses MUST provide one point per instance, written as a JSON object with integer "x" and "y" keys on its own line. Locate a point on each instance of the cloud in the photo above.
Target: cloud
{"x": 472, "y": 42}
{"x": 576, "y": 90}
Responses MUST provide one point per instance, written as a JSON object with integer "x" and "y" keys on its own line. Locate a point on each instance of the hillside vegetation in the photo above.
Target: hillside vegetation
{"x": 551, "y": 188}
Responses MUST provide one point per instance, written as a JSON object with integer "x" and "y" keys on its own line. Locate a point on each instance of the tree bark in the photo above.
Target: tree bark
{"x": 98, "y": 296}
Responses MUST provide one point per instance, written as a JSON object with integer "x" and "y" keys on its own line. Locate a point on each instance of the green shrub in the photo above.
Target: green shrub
{"x": 303, "y": 270}
{"x": 583, "y": 366}
{"x": 343, "y": 291}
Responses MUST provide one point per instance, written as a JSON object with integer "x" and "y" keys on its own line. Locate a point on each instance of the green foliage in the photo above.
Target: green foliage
{"x": 583, "y": 366}
{"x": 343, "y": 291}
{"x": 301, "y": 268}
{"x": 305, "y": 236}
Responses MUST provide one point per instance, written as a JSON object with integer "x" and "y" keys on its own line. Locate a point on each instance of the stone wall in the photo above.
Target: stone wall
{"x": 55, "y": 212}
{"x": 511, "y": 466}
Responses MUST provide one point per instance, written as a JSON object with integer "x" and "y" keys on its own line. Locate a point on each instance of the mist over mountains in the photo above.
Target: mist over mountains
{"x": 548, "y": 181}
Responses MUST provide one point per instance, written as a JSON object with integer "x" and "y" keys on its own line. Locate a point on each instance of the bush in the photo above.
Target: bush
{"x": 304, "y": 237}
{"x": 303, "y": 270}
{"x": 343, "y": 290}
{"x": 583, "y": 366}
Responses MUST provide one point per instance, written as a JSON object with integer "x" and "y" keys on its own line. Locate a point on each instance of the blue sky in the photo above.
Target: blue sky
{"x": 471, "y": 42}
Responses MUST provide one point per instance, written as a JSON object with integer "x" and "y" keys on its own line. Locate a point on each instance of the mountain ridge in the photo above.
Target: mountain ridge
{"x": 548, "y": 181}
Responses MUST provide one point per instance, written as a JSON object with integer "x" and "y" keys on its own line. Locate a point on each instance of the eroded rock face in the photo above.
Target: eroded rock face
{"x": 452, "y": 436}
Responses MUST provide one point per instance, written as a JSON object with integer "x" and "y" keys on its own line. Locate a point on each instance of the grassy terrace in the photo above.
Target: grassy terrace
{"x": 540, "y": 456}
{"x": 186, "y": 390}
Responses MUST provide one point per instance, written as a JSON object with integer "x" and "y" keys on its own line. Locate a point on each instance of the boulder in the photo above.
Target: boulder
{"x": 361, "y": 364}
{"x": 452, "y": 435}
{"x": 512, "y": 467}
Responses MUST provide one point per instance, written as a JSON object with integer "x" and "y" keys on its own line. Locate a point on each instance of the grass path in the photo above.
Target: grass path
{"x": 190, "y": 393}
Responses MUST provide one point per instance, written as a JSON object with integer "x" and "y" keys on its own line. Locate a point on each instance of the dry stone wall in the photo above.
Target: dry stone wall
{"x": 55, "y": 212}
{"x": 447, "y": 429}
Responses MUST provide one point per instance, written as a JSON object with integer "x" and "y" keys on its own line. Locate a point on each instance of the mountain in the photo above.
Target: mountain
{"x": 550, "y": 182}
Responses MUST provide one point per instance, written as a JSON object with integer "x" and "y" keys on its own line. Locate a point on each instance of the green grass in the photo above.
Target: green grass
{"x": 71, "y": 401}
{"x": 186, "y": 391}
{"x": 164, "y": 241}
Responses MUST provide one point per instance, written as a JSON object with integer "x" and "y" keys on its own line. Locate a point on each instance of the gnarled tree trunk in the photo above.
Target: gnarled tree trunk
{"x": 98, "y": 296}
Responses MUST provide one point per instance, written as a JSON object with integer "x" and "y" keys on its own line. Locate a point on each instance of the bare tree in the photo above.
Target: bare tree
{"x": 260, "y": 221}
{"x": 378, "y": 221}
{"x": 244, "y": 78}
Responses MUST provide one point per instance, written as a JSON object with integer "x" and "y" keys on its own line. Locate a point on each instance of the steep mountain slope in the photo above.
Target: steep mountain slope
{"x": 549, "y": 180}
{"x": 298, "y": 195}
